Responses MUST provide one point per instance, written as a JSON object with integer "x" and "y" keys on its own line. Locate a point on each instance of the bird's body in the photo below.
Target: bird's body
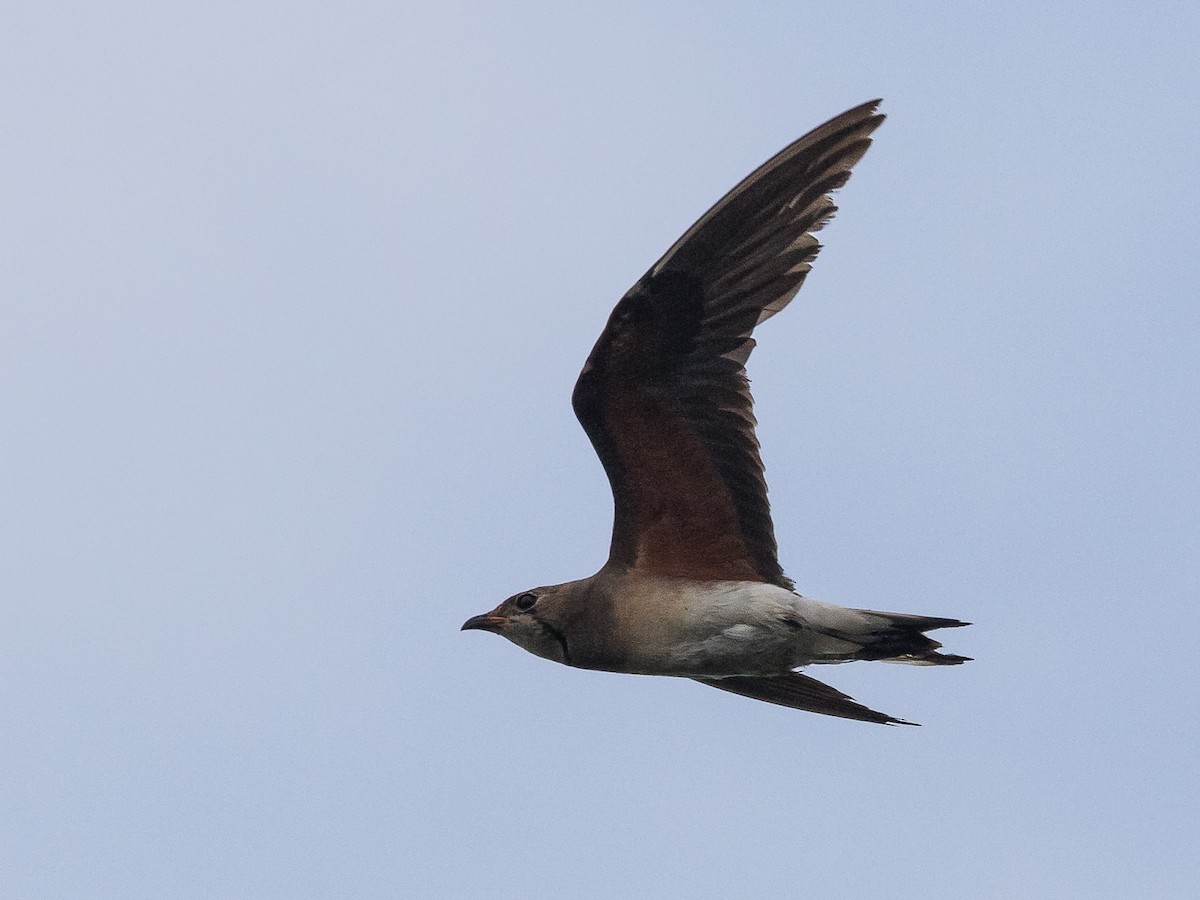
{"x": 693, "y": 587}
{"x": 656, "y": 625}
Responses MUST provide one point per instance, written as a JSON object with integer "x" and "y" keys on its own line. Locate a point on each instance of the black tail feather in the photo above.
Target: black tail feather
{"x": 903, "y": 640}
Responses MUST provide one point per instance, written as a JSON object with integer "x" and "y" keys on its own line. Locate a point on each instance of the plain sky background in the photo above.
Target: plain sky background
{"x": 292, "y": 298}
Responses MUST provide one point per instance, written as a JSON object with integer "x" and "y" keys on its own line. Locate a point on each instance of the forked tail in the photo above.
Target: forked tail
{"x": 901, "y": 638}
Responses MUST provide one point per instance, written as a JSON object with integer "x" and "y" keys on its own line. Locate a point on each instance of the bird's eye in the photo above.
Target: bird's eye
{"x": 525, "y": 601}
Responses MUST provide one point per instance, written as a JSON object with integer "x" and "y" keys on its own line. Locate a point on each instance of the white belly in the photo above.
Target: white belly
{"x": 737, "y": 628}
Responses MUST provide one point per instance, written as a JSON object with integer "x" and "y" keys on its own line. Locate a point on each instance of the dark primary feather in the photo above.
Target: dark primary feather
{"x": 801, "y": 692}
{"x": 664, "y": 396}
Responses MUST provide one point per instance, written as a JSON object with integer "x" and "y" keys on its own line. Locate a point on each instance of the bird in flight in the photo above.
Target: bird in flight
{"x": 693, "y": 587}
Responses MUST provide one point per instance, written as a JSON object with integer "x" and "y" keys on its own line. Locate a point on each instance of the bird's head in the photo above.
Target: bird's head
{"x": 532, "y": 619}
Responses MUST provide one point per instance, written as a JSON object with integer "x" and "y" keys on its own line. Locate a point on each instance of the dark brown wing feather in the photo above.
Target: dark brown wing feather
{"x": 801, "y": 692}
{"x": 664, "y": 395}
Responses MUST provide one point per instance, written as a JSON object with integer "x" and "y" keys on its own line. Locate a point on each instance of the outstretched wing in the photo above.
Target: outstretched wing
{"x": 801, "y": 692}
{"x": 664, "y": 396}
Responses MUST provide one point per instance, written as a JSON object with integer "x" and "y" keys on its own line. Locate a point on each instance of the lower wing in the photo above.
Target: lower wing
{"x": 801, "y": 692}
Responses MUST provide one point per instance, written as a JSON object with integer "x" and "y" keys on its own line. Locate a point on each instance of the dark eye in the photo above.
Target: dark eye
{"x": 525, "y": 601}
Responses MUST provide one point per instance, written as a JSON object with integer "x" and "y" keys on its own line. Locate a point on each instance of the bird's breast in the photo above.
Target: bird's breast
{"x": 688, "y": 628}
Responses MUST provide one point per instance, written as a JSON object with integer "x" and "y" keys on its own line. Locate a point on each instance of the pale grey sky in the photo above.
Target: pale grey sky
{"x": 294, "y": 296}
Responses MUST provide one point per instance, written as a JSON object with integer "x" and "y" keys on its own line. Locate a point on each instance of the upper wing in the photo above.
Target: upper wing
{"x": 664, "y": 396}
